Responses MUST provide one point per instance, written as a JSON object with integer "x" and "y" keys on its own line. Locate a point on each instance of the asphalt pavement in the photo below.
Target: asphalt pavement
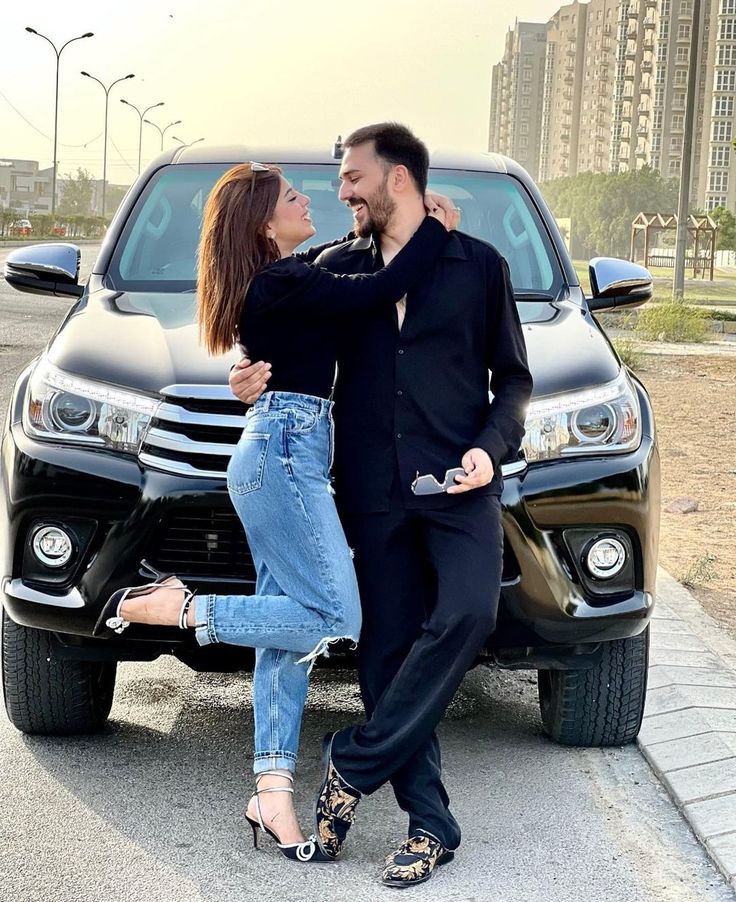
{"x": 152, "y": 808}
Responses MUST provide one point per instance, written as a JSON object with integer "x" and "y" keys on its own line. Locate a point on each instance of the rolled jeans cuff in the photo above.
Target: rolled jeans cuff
{"x": 278, "y": 760}
{"x": 204, "y": 629}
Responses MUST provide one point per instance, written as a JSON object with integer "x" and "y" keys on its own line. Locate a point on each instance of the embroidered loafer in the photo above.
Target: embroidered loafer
{"x": 336, "y": 804}
{"x": 414, "y": 861}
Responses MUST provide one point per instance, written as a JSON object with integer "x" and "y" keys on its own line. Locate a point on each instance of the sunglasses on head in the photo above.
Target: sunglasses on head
{"x": 256, "y": 167}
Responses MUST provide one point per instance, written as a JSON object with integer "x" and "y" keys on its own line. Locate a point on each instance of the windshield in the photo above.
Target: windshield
{"x": 157, "y": 250}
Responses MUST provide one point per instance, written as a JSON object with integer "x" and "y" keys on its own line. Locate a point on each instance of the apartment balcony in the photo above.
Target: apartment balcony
{"x": 567, "y": 94}
{"x": 629, "y": 75}
{"x": 642, "y": 130}
{"x": 565, "y": 136}
{"x": 641, "y": 152}
{"x": 646, "y": 66}
{"x": 632, "y": 34}
{"x": 625, "y": 116}
{"x": 569, "y": 79}
{"x": 649, "y": 22}
{"x": 643, "y": 110}
{"x": 623, "y": 153}
{"x": 564, "y": 153}
{"x": 630, "y": 53}
{"x": 650, "y": 4}
{"x": 633, "y": 12}
{"x": 648, "y": 45}
{"x": 645, "y": 88}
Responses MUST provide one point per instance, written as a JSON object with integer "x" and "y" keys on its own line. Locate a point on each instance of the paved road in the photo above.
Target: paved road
{"x": 153, "y": 807}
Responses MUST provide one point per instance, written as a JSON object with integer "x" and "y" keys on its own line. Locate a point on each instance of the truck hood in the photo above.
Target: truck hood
{"x": 146, "y": 341}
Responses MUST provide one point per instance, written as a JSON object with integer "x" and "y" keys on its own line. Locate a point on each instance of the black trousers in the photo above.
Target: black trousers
{"x": 429, "y": 583}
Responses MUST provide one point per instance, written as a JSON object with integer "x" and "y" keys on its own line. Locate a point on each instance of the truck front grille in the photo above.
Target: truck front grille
{"x": 203, "y": 542}
{"x": 194, "y": 431}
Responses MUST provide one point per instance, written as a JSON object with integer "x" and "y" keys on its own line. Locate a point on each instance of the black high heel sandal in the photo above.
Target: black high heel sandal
{"x": 307, "y": 851}
{"x": 110, "y": 621}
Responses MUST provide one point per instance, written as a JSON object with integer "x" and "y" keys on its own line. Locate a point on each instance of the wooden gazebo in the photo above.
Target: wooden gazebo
{"x": 701, "y": 230}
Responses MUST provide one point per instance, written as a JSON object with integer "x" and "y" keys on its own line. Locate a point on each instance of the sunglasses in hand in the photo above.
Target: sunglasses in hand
{"x": 428, "y": 485}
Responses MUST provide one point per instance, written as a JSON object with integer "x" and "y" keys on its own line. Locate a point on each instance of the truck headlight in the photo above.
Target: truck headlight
{"x": 601, "y": 420}
{"x": 61, "y": 407}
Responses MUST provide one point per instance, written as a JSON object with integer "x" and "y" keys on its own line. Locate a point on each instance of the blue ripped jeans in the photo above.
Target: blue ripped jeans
{"x": 307, "y": 594}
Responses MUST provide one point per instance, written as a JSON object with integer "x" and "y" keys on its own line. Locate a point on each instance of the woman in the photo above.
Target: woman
{"x": 254, "y": 290}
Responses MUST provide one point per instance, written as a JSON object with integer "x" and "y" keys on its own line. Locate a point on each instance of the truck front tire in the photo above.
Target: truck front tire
{"x": 601, "y": 706}
{"x": 48, "y": 695}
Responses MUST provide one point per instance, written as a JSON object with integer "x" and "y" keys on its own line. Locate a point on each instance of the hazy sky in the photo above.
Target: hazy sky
{"x": 247, "y": 71}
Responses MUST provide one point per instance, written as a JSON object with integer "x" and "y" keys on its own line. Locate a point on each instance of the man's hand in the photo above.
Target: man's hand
{"x": 248, "y": 380}
{"x": 452, "y": 213}
{"x": 479, "y": 472}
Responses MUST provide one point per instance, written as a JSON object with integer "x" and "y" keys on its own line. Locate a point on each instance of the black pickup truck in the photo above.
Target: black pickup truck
{"x": 117, "y": 438}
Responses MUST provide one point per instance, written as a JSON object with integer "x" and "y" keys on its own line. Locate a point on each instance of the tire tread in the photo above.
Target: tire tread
{"x": 49, "y": 695}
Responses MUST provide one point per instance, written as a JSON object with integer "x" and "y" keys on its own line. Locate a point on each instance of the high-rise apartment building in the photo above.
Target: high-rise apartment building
{"x": 562, "y": 91}
{"x": 714, "y": 170}
{"x": 597, "y": 65}
{"x": 613, "y": 93}
{"x": 516, "y": 95}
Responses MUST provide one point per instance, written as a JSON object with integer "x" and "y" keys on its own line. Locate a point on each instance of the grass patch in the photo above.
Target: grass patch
{"x": 701, "y": 571}
{"x": 672, "y": 320}
{"x": 626, "y": 350}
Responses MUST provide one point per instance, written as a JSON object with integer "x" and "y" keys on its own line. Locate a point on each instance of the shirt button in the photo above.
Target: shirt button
{"x": 399, "y": 393}
{"x": 398, "y": 435}
{"x": 401, "y": 350}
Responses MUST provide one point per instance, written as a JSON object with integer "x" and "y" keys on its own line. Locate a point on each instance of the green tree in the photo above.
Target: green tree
{"x": 603, "y": 205}
{"x": 76, "y": 199}
{"x": 114, "y": 196}
{"x": 726, "y": 236}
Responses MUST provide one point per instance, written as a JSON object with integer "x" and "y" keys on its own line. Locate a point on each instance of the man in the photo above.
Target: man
{"x": 411, "y": 399}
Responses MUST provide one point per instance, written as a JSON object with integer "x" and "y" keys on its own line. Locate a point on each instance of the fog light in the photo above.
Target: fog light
{"x": 52, "y": 546}
{"x": 605, "y": 558}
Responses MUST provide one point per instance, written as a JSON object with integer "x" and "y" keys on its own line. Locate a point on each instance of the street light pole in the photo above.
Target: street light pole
{"x": 678, "y": 281}
{"x": 162, "y": 131}
{"x": 88, "y": 34}
{"x": 184, "y": 143}
{"x": 140, "y": 130}
{"x": 104, "y": 152}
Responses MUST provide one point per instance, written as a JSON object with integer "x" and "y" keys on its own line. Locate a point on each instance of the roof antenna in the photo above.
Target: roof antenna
{"x": 337, "y": 148}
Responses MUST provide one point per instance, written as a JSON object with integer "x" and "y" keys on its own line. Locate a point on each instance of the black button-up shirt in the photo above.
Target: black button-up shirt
{"x": 416, "y": 400}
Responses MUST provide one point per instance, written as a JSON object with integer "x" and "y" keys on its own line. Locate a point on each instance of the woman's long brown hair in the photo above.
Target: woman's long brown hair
{"x": 233, "y": 246}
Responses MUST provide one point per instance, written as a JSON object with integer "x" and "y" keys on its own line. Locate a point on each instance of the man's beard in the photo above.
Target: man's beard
{"x": 377, "y": 212}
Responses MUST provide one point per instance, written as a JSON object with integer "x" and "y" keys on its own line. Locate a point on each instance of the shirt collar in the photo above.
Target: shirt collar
{"x": 453, "y": 249}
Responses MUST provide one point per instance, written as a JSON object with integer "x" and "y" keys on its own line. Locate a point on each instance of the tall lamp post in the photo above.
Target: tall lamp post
{"x": 88, "y": 34}
{"x": 683, "y": 205}
{"x": 162, "y": 131}
{"x": 104, "y": 152}
{"x": 185, "y": 143}
{"x": 140, "y": 130}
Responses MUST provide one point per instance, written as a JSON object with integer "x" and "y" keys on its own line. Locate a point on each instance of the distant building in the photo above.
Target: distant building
{"x": 24, "y": 187}
{"x": 516, "y": 96}
{"x": 613, "y": 85}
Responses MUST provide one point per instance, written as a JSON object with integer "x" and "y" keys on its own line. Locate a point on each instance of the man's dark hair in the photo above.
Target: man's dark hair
{"x": 395, "y": 144}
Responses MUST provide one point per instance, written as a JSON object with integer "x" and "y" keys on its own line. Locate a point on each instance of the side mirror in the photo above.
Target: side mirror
{"x": 618, "y": 283}
{"x": 45, "y": 269}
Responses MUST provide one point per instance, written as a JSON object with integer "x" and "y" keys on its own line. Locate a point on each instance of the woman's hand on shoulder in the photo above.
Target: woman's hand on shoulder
{"x": 439, "y": 203}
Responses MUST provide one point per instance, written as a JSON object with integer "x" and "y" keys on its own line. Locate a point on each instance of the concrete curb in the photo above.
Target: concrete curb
{"x": 689, "y": 730}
